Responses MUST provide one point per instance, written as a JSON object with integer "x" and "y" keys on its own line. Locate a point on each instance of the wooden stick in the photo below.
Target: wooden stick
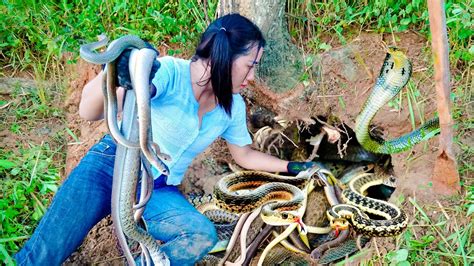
{"x": 445, "y": 176}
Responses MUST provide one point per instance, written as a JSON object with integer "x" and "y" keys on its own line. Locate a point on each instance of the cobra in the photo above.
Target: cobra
{"x": 394, "y": 75}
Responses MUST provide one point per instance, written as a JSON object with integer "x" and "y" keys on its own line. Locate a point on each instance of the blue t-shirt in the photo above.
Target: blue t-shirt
{"x": 175, "y": 121}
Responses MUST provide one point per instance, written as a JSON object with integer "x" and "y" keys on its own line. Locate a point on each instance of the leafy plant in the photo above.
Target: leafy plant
{"x": 309, "y": 21}
{"x": 37, "y": 34}
{"x": 28, "y": 177}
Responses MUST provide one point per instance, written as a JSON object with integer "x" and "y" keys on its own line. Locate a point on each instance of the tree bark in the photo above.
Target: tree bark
{"x": 445, "y": 175}
{"x": 281, "y": 66}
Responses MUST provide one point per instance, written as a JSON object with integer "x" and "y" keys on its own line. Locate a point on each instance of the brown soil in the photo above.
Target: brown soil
{"x": 343, "y": 77}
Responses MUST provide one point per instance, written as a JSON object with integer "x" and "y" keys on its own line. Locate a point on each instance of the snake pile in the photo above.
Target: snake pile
{"x": 281, "y": 195}
{"x": 245, "y": 191}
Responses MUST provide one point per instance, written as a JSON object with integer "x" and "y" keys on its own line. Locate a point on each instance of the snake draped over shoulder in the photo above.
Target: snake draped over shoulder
{"x": 394, "y": 75}
{"x": 113, "y": 52}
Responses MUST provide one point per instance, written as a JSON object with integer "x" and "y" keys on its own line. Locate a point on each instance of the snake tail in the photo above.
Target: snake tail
{"x": 394, "y": 75}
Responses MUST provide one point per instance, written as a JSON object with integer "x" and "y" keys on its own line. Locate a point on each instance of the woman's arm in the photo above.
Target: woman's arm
{"x": 91, "y": 106}
{"x": 252, "y": 159}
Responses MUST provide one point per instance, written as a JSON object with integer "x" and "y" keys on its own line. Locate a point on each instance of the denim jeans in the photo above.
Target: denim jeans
{"x": 85, "y": 198}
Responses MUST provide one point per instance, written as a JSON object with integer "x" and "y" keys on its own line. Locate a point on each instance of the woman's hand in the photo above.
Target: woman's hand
{"x": 295, "y": 168}
{"x": 91, "y": 106}
{"x": 123, "y": 73}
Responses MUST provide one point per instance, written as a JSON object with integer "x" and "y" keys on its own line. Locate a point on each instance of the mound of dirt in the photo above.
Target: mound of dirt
{"x": 343, "y": 78}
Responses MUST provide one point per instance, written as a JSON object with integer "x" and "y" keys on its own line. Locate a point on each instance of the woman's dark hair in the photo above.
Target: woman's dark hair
{"x": 224, "y": 40}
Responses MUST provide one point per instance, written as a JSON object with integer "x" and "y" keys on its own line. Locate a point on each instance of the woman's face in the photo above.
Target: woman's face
{"x": 243, "y": 68}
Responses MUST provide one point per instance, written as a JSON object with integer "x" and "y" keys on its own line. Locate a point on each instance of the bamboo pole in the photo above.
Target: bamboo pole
{"x": 445, "y": 175}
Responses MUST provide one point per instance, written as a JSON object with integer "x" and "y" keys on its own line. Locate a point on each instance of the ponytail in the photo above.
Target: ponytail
{"x": 224, "y": 40}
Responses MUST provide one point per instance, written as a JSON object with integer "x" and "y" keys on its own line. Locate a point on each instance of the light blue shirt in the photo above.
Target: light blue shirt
{"x": 175, "y": 121}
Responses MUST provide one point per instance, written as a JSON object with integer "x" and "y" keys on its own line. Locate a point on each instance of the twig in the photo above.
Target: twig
{"x": 442, "y": 210}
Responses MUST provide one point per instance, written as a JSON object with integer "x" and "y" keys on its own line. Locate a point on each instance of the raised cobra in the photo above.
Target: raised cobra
{"x": 394, "y": 75}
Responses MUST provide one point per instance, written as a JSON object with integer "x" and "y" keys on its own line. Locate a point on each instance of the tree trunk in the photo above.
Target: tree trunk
{"x": 281, "y": 66}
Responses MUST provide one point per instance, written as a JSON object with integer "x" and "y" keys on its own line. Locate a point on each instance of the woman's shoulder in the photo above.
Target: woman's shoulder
{"x": 172, "y": 62}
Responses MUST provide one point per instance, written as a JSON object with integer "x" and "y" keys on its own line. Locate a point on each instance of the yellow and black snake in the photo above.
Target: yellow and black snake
{"x": 394, "y": 75}
{"x": 357, "y": 204}
{"x": 245, "y": 191}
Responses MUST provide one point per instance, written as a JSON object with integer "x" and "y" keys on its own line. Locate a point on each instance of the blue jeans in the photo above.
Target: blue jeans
{"x": 84, "y": 199}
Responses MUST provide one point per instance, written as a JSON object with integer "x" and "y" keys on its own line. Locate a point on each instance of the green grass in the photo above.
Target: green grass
{"x": 29, "y": 177}
{"x": 35, "y": 35}
{"x": 309, "y": 21}
{"x": 41, "y": 37}
{"x": 30, "y": 167}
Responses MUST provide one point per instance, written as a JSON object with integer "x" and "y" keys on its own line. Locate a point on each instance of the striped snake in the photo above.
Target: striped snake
{"x": 395, "y": 220}
{"x": 281, "y": 196}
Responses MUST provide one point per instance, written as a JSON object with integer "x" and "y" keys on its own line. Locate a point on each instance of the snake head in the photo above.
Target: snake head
{"x": 338, "y": 217}
{"x": 338, "y": 225}
{"x": 399, "y": 57}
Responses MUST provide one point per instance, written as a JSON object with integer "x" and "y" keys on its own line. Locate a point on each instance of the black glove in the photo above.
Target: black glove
{"x": 123, "y": 73}
{"x": 295, "y": 167}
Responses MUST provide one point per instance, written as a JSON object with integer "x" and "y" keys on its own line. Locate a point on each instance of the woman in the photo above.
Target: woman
{"x": 194, "y": 102}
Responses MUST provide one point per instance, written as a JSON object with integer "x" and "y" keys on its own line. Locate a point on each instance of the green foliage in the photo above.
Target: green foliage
{"x": 308, "y": 21}
{"x": 29, "y": 171}
{"x": 36, "y": 34}
{"x": 436, "y": 244}
{"x": 28, "y": 177}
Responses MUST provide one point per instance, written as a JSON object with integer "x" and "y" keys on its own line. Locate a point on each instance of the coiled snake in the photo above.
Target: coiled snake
{"x": 395, "y": 220}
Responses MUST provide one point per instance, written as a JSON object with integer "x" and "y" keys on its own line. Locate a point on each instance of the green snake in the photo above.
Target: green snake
{"x": 127, "y": 163}
{"x": 394, "y": 75}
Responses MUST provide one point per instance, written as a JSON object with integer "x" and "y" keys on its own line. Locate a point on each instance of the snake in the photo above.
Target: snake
{"x": 356, "y": 205}
{"x": 87, "y": 53}
{"x": 394, "y": 75}
{"x": 263, "y": 187}
{"x": 225, "y": 222}
{"x": 128, "y": 161}
{"x": 280, "y": 195}
{"x": 139, "y": 76}
{"x": 343, "y": 250}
